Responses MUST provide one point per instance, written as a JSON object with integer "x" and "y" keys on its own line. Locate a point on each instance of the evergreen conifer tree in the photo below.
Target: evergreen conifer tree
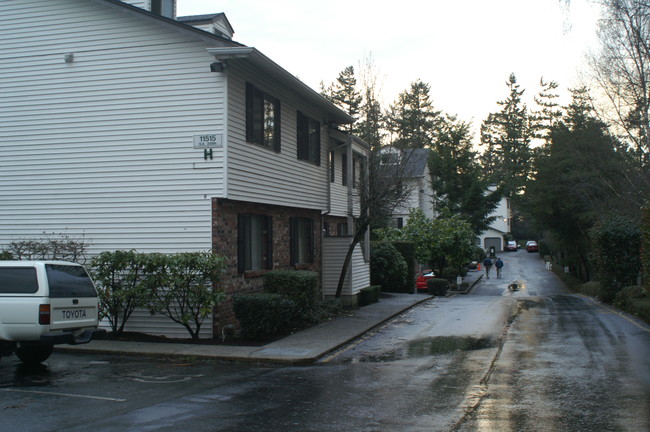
{"x": 413, "y": 121}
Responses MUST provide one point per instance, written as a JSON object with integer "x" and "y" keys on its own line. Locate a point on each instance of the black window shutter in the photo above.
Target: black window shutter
{"x": 317, "y": 126}
{"x": 250, "y": 118}
{"x": 241, "y": 242}
{"x": 269, "y": 240}
{"x": 303, "y": 137}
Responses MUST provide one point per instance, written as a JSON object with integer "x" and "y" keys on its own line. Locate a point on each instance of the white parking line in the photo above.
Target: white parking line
{"x": 64, "y": 394}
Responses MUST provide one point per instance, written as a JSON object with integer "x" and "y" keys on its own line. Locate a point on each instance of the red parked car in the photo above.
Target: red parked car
{"x": 531, "y": 246}
{"x": 421, "y": 282}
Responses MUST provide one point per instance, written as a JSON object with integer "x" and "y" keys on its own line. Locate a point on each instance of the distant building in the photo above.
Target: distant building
{"x": 494, "y": 236}
{"x": 416, "y": 179}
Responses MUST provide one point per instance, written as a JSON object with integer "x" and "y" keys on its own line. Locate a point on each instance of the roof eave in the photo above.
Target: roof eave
{"x": 264, "y": 63}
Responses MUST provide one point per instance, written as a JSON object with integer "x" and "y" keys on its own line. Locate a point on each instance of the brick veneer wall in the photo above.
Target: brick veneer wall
{"x": 224, "y": 242}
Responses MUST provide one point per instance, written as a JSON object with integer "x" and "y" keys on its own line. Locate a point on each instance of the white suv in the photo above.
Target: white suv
{"x": 43, "y": 303}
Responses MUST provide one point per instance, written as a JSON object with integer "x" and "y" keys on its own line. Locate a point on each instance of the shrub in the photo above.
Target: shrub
{"x": 369, "y": 295}
{"x": 264, "y": 315}
{"x": 121, "y": 280}
{"x": 634, "y": 300}
{"x": 591, "y": 289}
{"x": 300, "y": 286}
{"x": 438, "y": 286}
{"x": 645, "y": 245}
{"x": 50, "y": 247}
{"x": 543, "y": 248}
{"x": 616, "y": 244}
{"x": 183, "y": 286}
{"x": 407, "y": 250}
{"x": 6, "y": 255}
{"x": 387, "y": 267}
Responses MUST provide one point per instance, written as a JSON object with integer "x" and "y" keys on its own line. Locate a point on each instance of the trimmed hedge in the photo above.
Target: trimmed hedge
{"x": 264, "y": 315}
{"x": 438, "y": 286}
{"x": 369, "y": 295}
{"x": 300, "y": 286}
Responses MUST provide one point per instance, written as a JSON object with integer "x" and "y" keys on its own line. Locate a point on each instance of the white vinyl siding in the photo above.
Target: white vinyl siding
{"x": 101, "y": 148}
{"x": 358, "y": 275}
{"x": 338, "y": 192}
{"x": 259, "y": 174}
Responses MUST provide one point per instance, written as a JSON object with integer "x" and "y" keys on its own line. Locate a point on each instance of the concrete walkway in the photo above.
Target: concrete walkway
{"x": 304, "y": 347}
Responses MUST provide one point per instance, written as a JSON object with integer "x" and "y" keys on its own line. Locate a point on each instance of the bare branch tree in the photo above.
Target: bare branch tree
{"x": 621, "y": 68}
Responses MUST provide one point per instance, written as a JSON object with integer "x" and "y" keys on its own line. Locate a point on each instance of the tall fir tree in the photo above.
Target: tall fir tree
{"x": 344, "y": 94}
{"x": 506, "y": 137}
{"x": 413, "y": 121}
{"x": 456, "y": 177}
{"x": 548, "y": 113}
{"x": 577, "y": 181}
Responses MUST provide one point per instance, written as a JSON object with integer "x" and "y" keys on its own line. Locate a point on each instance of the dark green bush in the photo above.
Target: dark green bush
{"x": 369, "y": 295}
{"x": 616, "y": 245}
{"x": 121, "y": 279}
{"x": 387, "y": 267}
{"x": 6, "y": 255}
{"x": 407, "y": 250}
{"x": 543, "y": 248}
{"x": 263, "y": 315}
{"x": 634, "y": 300}
{"x": 300, "y": 286}
{"x": 645, "y": 245}
{"x": 438, "y": 286}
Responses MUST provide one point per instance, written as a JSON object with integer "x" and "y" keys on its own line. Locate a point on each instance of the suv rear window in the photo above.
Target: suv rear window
{"x": 18, "y": 280}
{"x": 69, "y": 281}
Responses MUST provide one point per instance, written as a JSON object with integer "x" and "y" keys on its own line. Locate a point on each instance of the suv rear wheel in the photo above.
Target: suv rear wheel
{"x": 33, "y": 352}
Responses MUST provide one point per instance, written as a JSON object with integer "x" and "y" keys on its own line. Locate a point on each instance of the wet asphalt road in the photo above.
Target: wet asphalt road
{"x": 536, "y": 359}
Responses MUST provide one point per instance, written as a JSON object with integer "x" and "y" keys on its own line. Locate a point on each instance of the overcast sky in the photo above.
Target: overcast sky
{"x": 464, "y": 49}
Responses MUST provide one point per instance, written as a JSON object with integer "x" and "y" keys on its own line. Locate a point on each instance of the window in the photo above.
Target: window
{"x": 308, "y": 139}
{"x": 69, "y": 281}
{"x": 18, "y": 280}
{"x": 344, "y": 170}
{"x": 262, "y": 118}
{"x": 302, "y": 240}
{"x": 254, "y": 242}
{"x": 342, "y": 229}
{"x": 332, "y": 167}
{"x": 163, "y": 7}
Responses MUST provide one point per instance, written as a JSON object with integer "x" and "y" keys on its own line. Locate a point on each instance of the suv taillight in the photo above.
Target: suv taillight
{"x": 44, "y": 314}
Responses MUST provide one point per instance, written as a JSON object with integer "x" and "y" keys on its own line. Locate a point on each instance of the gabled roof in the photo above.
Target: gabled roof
{"x": 226, "y": 49}
{"x": 220, "y": 17}
{"x": 167, "y": 22}
{"x": 415, "y": 161}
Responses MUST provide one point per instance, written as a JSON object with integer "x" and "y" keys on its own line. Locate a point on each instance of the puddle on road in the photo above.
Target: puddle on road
{"x": 447, "y": 344}
{"x": 432, "y": 346}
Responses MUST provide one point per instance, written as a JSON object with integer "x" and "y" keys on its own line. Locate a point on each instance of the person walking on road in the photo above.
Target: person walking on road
{"x": 499, "y": 265}
{"x": 487, "y": 263}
